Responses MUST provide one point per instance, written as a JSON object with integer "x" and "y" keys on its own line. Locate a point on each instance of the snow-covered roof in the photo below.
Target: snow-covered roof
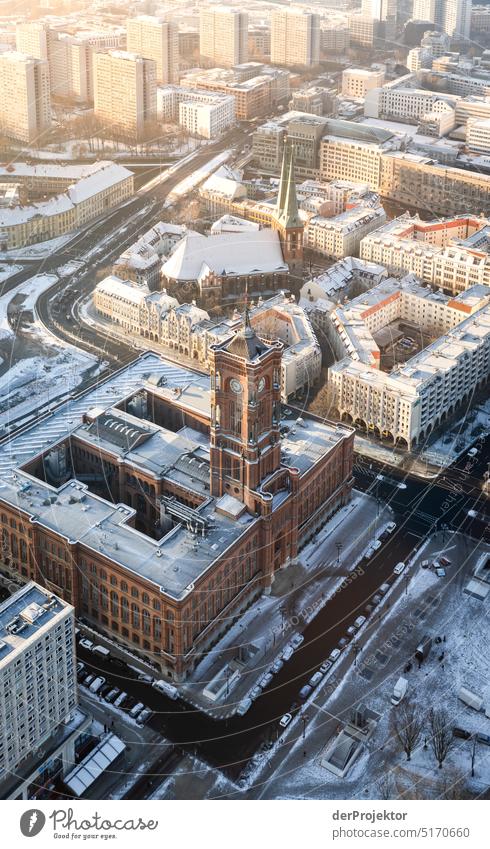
{"x": 226, "y": 253}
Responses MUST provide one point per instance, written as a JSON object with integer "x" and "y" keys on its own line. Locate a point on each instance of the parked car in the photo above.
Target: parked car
{"x": 334, "y": 655}
{"x": 145, "y": 679}
{"x": 376, "y": 545}
{"x": 445, "y": 561}
{"x": 440, "y": 572}
{"x": 462, "y": 733}
{"x": 343, "y": 642}
{"x": 384, "y": 589}
{"x": 166, "y": 688}
{"x": 369, "y": 609}
{"x": 399, "y": 691}
{"x": 369, "y": 552}
{"x": 120, "y": 700}
{"x": 104, "y": 690}
{"x": 144, "y": 716}
{"x": 351, "y": 630}
{"x": 315, "y": 679}
{"x": 287, "y": 653}
{"x": 277, "y": 665}
{"x": 390, "y": 527}
{"x": 130, "y": 703}
{"x": 297, "y": 641}
{"x": 136, "y": 710}
{"x": 255, "y": 692}
{"x": 399, "y": 568}
{"x": 285, "y": 720}
{"x": 472, "y": 452}
{"x": 483, "y": 738}
{"x": 244, "y": 705}
{"x": 266, "y": 680}
{"x": 425, "y": 564}
{"x": 305, "y": 691}
{"x": 88, "y": 680}
{"x": 112, "y": 695}
{"x": 326, "y": 665}
{"x": 80, "y": 667}
{"x": 359, "y": 622}
{"x": 97, "y": 683}
{"x": 86, "y": 644}
{"x": 376, "y": 599}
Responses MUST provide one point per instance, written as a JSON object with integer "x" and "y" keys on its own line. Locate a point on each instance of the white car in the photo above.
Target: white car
{"x": 96, "y": 684}
{"x": 399, "y": 568}
{"x": 120, "y": 700}
{"x": 266, "y": 680}
{"x": 297, "y": 641}
{"x": 255, "y": 692}
{"x": 351, "y": 630}
{"x": 472, "y": 452}
{"x": 288, "y": 653}
{"x": 369, "y": 552}
{"x": 136, "y": 710}
{"x": 277, "y": 665}
{"x": 376, "y": 545}
{"x": 285, "y": 720}
{"x": 144, "y": 716}
{"x": 86, "y": 644}
{"x": 244, "y": 705}
{"x": 334, "y": 655}
{"x": 359, "y": 621}
{"x": 390, "y": 527}
{"x": 315, "y": 679}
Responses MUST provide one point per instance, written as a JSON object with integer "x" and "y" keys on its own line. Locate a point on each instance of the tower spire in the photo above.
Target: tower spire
{"x": 287, "y": 202}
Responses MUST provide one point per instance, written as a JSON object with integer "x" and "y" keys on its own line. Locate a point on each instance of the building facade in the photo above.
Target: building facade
{"x": 156, "y": 39}
{"x": 124, "y": 91}
{"x": 295, "y": 38}
{"x": 25, "y": 101}
{"x": 223, "y": 36}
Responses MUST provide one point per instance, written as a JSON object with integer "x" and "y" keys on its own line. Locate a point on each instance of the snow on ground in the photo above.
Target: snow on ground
{"x": 31, "y": 289}
{"x": 42, "y": 249}
{"x": 6, "y": 271}
{"x": 197, "y": 177}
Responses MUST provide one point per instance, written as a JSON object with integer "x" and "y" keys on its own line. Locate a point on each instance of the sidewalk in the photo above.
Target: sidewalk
{"x": 298, "y": 594}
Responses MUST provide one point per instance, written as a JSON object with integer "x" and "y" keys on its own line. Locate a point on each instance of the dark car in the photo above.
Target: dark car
{"x": 462, "y": 733}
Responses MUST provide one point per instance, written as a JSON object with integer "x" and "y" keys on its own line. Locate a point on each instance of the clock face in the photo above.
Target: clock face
{"x": 261, "y": 385}
{"x": 235, "y": 386}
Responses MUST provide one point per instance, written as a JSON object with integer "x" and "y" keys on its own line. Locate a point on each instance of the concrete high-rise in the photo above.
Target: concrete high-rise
{"x": 124, "y": 91}
{"x": 295, "y": 38}
{"x": 38, "y": 685}
{"x": 451, "y": 16}
{"x": 157, "y": 39}
{"x": 25, "y": 103}
{"x": 223, "y": 37}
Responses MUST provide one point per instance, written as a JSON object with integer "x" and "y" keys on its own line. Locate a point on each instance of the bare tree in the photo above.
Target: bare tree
{"x": 408, "y": 724}
{"x": 441, "y": 735}
{"x": 386, "y": 788}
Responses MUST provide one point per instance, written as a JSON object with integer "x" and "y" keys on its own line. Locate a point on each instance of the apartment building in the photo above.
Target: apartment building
{"x": 341, "y": 236}
{"x": 406, "y": 405}
{"x": 405, "y": 104}
{"x": 223, "y": 36}
{"x": 450, "y": 254}
{"x": 124, "y": 91}
{"x": 25, "y": 102}
{"x": 38, "y": 686}
{"x": 201, "y": 113}
{"x": 157, "y": 39}
{"x": 333, "y": 39}
{"x": 356, "y": 82}
{"x": 295, "y": 38}
{"x": 478, "y": 135}
{"x": 254, "y": 96}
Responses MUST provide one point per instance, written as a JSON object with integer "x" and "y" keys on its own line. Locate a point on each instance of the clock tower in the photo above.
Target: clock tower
{"x": 245, "y": 415}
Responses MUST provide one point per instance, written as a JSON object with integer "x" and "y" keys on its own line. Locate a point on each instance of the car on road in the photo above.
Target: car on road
{"x": 97, "y": 683}
{"x": 285, "y": 720}
{"x": 145, "y": 679}
{"x": 297, "y": 641}
{"x": 266, "y": 680}
{"x": 86, "y": 644}
{"x": 136, "y": 710}
{"x": 305, "y": 691}
{"x": 255, "y": 692}
{"x": 334, "y": 655}
{"x": 244, "y": 705}
{"x": 315, "y": 679}
{"x": 166, "y": 688}
{"x": 390, "y": 527}
{"x": 144, "y": 716}
{"x": 401, "y": 485}
{"x": 472, "y": 452}
{"x": 277, "y": 665}
{"x": 288, "y": 653}
{"x": 399, "y": 568}
{"x": 101, "y": 651}
{"x": 359, "y": 622}
{"x": 326, "y": 665}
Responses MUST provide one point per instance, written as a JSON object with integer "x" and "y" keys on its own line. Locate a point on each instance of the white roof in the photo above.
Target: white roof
{"x": 227, "y": 253}
{"x": 94, "y": 764}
